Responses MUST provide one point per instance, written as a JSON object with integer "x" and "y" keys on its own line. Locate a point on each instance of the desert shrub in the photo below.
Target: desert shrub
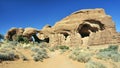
{"x": 80, "y": 55}
{"x": 43, "y": 45}
{"x": 39, "y": 54}
{"x": 22, "y": 39}
{"x": 53, "y": 48}
{"x": 13, "y": 43}
{"x": 9, "y": 45}
{"x": 103, "y": 55}
{"x": 35, "y": 49}
{"x": 109, "y": 53}
{"x": 27, "y": 46}
{"x": 92, "y": 64}
{"x": 116, "y": 57}
{"x": 7, "y": 55}
{"x": 113, "y": 48}
{"x": 63, "y": 48}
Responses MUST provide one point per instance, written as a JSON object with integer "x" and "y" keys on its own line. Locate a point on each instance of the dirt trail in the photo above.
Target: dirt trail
{"x": 62, "y": 61}
{"x": 56, "y": 60}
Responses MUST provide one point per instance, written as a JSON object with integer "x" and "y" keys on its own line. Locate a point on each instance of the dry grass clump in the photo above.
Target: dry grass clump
{"x": 53, "y": 48}
{"x": 39, "y": 54}
{"x": 92, "y": 64}
{"x": 109, "y": 53}
{"x": 39, "y": 50}
{"x": 81, "y": 55}
{"x": 8, "y": 55}
{"x": 8, "y": 45}
{"x": 7, "y": 51}
{"x": 62, "y": 48}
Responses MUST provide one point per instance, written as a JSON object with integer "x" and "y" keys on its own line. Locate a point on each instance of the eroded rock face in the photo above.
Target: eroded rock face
{"x": 27, "y": 32}
{"x": 44, "y": 33}
{"x": 81, "y": 28}
{"x": 13, "y": 32}
{"x": 84, "y": 27}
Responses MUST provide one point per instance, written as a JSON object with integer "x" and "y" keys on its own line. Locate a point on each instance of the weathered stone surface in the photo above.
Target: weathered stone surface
{"x": 45, "y": 32}
{"x": 81, "y": 28}
{"x": 29, "y": 32}
{"x": 13, "y": 32}
{"x": 84, "y": 27}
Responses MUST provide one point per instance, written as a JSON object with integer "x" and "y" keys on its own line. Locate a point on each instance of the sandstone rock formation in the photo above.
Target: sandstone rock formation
{"x": 27, "y": 32}
{"x": 13, "y": 32}
{"x": 81, "y": 28}
{"x": 84, "y": 27}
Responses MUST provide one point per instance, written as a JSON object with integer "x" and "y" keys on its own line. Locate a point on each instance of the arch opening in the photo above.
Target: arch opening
{"x": 65, "y": 34}
{"x": 90, "y": 26}
{"x": 84, "y": 31}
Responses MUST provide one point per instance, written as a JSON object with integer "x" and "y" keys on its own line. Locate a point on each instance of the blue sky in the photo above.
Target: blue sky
{"x": 37, "y": 13}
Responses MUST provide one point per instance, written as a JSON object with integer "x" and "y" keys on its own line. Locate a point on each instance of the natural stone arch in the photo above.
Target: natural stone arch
{"x": 97, "y": 22}
{"x": 89, "y": 26}
{"x": 84, "y": 30}
{"x": 13, "y": 33}
{"x": 65, "y": 34}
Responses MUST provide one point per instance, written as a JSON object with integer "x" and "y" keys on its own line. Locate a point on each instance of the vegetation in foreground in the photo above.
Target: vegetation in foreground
{"x": 93, "y": 64}
{"x": 10, "y": 51}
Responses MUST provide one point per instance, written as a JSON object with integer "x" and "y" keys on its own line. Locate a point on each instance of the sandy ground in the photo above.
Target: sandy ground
{"x": 56, "y": 60}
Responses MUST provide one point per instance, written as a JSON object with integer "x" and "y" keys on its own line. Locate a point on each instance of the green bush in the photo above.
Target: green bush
{"x": 35, "y": 49}
{"x": 63, "y": 48}
{"x": 115, "y": 57}
{"x": 109, "y": 53}
{"x": 13, "y": 43}
{"x": 9, "y": 45}
{"x": 92, "y": 64}
{"x": 113, "y": 48}
{"x": 51, "y": 49}
{"x": 80, "y": 55}
{"x": 103, "y": 55}
{"x": 22, "y": 39}
{"x": 83, "y": 57}
{"x": 39, "y": 54}
{"x": 7, "y": 55}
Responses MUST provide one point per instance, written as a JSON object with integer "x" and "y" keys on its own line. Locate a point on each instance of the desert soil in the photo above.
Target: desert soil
{"x": 56, "y": 60}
